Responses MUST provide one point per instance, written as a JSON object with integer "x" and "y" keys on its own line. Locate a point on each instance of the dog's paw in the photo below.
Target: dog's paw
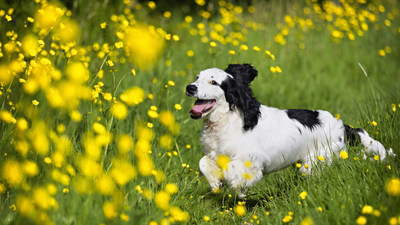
{"x": 216, "y": 188}
{"x": 242, "y": 193}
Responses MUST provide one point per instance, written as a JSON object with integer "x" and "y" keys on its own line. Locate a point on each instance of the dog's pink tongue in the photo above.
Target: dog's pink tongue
{"x": 198, "y": 107}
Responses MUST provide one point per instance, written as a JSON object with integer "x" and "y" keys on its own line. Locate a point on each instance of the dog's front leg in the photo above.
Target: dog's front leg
{"x": 241, "y": 174}
{"x": 212, "y": 172}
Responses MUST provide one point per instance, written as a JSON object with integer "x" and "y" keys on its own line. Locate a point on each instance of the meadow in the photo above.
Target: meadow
{"x": 94, "y": 119}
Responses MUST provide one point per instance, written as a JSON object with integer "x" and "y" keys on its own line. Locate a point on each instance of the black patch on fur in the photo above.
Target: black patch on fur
{"x": 239, "y": 94}
{"x": 308, "y": 118}
{"x": 351, "y": 135}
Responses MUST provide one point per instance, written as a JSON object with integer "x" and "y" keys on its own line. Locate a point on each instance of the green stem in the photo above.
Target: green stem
{"x": 370, "y": 84}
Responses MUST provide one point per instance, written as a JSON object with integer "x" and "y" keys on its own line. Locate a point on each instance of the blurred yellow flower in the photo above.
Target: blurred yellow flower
{"x": 303, "y": 195}
{"x": 12, "y": 173}
{"x": 320, "y": 158}
{"x": 393, "y": 187}
{"x": 344, "y": 154}
{"x": 381, "y": 52}
{"x": 222, "y": 162}
{"x": 35, "y": 103}
{"x": 30, "y": 168}
{"x": 171, "y": 188}
{"x": 124, "y": 217}
{"x": 119, "y": 111}
{"x": 171, "y": 83}
{"x": 144, "y": 45}
{"x": 374, "y": 123}
{"x": 166, "y": 141}
{"x": 361, "y": 220}
{"x": 190, "y": 53}
{"x": 103, "y": 25}
{"x": 320, "y": 208}
{"x": 67, "y": 31}
{"x": 376, "y": 157}
{"x": 162, "y": 199}
{"x": 105, "y": 185}
{"x": 110, "y": 210}
{"x": 133, "y": 96}
{"x": 206, "y": 218}
{"x": 178, "y": 107}
{"x": 240, "y": 210}
{"x": 231, "y": 52}
{"x": 244, "y": 47}
{"x": 367, "y": 209}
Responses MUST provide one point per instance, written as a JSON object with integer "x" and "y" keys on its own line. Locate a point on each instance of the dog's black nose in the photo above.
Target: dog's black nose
{"x": 191, "y": 89}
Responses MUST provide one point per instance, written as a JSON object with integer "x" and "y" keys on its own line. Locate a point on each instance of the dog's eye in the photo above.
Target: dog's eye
{"x": 213, "y": 82}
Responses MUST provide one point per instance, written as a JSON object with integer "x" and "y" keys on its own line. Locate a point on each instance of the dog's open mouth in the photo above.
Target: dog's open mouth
{"x": 200, "y": 107}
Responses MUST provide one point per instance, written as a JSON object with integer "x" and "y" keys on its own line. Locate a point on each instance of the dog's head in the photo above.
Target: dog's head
{"x": 214, "y": 87}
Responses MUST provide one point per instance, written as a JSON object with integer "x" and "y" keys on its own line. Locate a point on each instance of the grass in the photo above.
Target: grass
{"x": 319, "y": 71}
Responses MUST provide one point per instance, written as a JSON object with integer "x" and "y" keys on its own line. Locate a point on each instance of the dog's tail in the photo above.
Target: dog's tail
{"x": 372, "y": 147}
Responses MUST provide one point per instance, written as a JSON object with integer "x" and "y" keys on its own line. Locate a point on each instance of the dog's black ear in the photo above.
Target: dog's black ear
{"x": 244, "y": 73}
{"x": 239, "y": 95}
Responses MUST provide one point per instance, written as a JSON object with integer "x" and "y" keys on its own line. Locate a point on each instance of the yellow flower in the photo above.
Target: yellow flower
{"x": 240, "y": 210}
{"x": 320, "y": 158}
{"x": 307, "y": 221}
{"x": 30, "y": 168}
{"x": 367, "y": 209}
{"x": 213, "y": 44}
{"x": 393, "y": 187}
{"x": 178, "y": 107}
{"x": 175, "y": 37}
{"x": 119, "y": 111}
{"x": 272, "y": 69}
{"x": 166, "y": 141}
{"x": 99, "y": 128}
{"x": 303, "y": 195}
{"x": 124, "y": 217}
{"x": 320, "y": 209}
{"x": 144, "y": 44}
{"x": 298, "y": 165}
{"x": 222, "y": 162}
{"x": 133, "y": 96}
{"x": 162, "y": 199}
{"x": 171, "y": 83}
{"x": 374, "y": 123}
{"x": 206, "y": 218}
{"x": 247, "y": 163}
{"x": 361, "y": 220}
{"x": 47, "y": 160}
{"x": 171, "y": 188}
{"x": 344, "y": 154}
{"x": 105, "y": 185}
{"x": 376, "y": 157}
{"x": 151, "y": 4}
{"x": 256, "y": 48}
{"x": 244, "y": 47}
{"x": 103, "y": 25}
{"x": 12, "y": 172}
{"x": 190, "y": 53}
{"x": 278, "y": 69}
{"x": 231, "y": 52}
{"x": 24, "y": 205}
{"x": 306, "y": 166}
{"x": 110, "y": 210}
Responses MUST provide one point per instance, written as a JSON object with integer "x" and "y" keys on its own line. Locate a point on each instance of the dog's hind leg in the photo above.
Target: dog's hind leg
{"x": 212, "y": 172}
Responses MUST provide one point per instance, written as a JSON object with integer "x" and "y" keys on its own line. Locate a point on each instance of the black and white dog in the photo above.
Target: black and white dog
{"x": 255, "y": 139}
